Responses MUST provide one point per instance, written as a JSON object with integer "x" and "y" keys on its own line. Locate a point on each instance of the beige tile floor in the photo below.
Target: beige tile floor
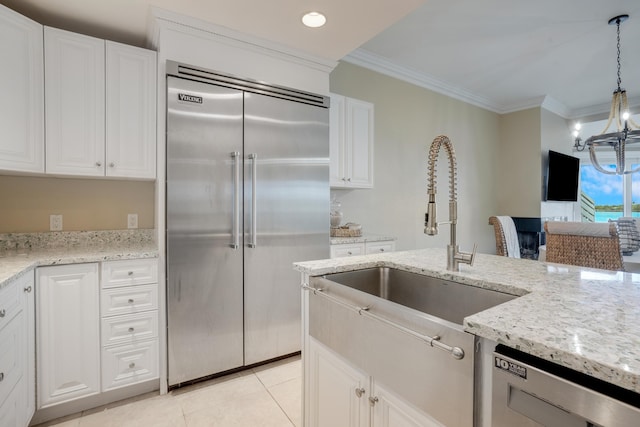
{"x": 266, "y": 396}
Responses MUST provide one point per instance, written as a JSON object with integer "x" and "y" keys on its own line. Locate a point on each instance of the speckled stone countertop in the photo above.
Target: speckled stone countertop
{"x": 581, "y": 318}
{"x": 71, "y": 248}
{"x": 362, "y": 239}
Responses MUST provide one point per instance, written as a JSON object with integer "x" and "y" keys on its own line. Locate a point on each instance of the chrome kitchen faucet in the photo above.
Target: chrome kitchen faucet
{"x": 454, "y": 256}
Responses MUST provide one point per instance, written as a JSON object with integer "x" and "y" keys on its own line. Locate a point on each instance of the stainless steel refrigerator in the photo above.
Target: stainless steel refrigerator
{"x": 247, "y": 195}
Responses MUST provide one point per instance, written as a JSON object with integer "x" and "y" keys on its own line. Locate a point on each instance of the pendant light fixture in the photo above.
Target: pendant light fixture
{"x": 627, "y": 131}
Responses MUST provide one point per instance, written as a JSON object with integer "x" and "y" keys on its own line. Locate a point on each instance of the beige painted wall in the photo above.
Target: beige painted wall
{"x": 407, "y": 119}
{"x": 86, "y": 204}
{"x": 519, "y": 176}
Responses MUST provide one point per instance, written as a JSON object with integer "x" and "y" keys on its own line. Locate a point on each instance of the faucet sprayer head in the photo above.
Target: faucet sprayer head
{"x": 430, "y": 222}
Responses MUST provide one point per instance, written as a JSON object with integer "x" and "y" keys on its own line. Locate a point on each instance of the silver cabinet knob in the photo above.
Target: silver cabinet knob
{"x": 359, "y": 392}
{"x": 349, "y": 179}
{"x": 28, "y": 289}
{"x": 130, "y": 301}
{"x": 1, "y": 376}
{"x": 132, "y": 365}
{"x": 3, "y": 312}
{"x": 98, "y": 164}
{"x": 130, "y": 273}
{"x": 381, "y": 249}
{"x": 349, "y": 253}
{"x": 112, "y": 165}
{"x": 373, "y": 400}
{"x": 131, "y": 329}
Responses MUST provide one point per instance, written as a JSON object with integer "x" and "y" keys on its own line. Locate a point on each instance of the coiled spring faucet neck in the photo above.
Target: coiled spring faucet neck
{"x": 454, "y": 256}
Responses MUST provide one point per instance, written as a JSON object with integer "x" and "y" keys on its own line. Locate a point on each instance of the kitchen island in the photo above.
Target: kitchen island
{"x": 583, "y": 319}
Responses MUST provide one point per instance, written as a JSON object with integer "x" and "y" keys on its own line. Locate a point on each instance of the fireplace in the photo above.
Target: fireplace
{"x": 530, "y": 236}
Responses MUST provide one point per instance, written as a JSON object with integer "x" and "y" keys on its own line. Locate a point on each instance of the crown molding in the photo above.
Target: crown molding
{"x": 382, "y": 65}
{"x": 160, "y": 18}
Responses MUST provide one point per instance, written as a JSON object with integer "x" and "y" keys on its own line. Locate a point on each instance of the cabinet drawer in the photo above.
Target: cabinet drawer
{"x": 338, "y": 251}
{"x": 11, "y": 300}
{"x": 129, "y": 328}
{"x": 11, "y": 356}
{"x": 128, "y": 299}
{"x": 129, "y": 364}
{"x": 129, "y": 272}
{"x": 379, "y": 247}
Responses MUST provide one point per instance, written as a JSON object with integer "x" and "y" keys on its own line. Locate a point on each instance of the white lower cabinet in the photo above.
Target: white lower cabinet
{"x": 339, "y": 394}
{"x": 391, "y": 411}
{"x": 96, "y": 335}
{"x": 129, "y": 299}
{"x": 362, "y": 248}
{"x": 68, "y": 333}
{"x": 17, "y": 352}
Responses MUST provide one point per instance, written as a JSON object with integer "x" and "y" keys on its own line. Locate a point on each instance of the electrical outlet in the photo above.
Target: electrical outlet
{"x": 132, "y": 221}
{"x": 55, "y": 222}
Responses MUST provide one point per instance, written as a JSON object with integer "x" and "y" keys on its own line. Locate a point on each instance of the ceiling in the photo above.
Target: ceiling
{"x": 504, "y": 55}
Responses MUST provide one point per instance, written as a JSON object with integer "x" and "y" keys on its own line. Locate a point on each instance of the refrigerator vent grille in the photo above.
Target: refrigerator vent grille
{"x": 215, "y": 77}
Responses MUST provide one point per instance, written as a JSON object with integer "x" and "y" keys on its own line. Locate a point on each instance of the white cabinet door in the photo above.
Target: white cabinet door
{"x": 390, "y": 411}
{"x": 22, "y": 100}
{"x": 359, "y": 147}
{"x": 131, "y": 111}
{"x": 27, "y": 286}
{"x": 337, "y": 177}
{"x": 338, "y": 391}
{"x": 351, "y": 142}
{"x": 74, "y": 103}
{"x": 68, "y": 333}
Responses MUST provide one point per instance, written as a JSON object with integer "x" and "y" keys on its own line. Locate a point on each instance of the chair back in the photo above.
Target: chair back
{"x": 501, "y": 241}
{"x": 585, "y": 244}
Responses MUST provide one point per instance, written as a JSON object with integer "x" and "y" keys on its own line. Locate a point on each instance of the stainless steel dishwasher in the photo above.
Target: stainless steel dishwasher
{"x": 532, "y": 392}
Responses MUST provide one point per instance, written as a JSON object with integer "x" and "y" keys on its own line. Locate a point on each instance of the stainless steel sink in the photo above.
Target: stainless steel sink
{"x": 445, "y": 299}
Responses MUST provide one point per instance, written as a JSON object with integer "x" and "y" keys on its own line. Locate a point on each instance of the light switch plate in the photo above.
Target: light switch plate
{"x": 132, "y": 221}
{"x": 55, "y": 222}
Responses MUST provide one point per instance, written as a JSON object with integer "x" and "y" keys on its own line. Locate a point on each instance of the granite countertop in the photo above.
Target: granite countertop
{"x": 17, "y": 262}
{"x": 362, "y": 239}
{"x": 581, "y": 318}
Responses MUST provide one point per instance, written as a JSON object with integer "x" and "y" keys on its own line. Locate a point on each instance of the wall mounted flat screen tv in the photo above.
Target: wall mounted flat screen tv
{"x": 562, "y": 177}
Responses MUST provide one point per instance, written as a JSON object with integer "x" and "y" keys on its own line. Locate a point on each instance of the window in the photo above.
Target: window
{"x": 613, "y": 195}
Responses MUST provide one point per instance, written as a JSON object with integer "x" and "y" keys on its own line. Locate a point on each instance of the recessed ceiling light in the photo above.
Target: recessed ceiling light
{"x": 314, "y": 19}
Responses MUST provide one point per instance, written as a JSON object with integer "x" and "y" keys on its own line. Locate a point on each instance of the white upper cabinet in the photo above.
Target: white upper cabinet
{"x": 100, "y": 107}
{"x": 74, "y": 103}
{"x": 22, "y": 100}
{"x": 131, "y": 111}
{"x": 351, "y": 142}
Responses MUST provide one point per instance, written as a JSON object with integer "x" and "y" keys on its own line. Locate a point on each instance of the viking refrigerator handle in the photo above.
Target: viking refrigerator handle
{"x": 235, "y": 243}
{"x": 254, "y": 208}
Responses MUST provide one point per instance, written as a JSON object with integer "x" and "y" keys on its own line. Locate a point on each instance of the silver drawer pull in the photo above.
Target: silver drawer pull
{"x": 131, "y": 301}
{"x": 132, "y": 365}
{"x": 381, "y": 249}
{"x": 130, "y": 273}
{"x": 349, "y": 252}
{"x": 1, "y": 376}
{"x": 28, "y": 289}
{"x": 131, "y": 329}
{"x": 359, "y": 392}
{"x": 3, "y": 312}
{"x": 98, "y": 164}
